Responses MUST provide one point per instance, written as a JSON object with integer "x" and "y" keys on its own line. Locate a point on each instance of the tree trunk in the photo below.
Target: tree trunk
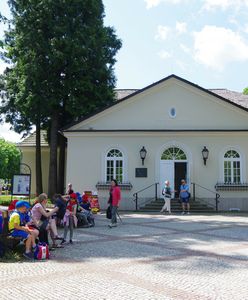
{"x": 61, "y": 177}
{"x": 52, "y": 180}
{"x": 39, "y": 188}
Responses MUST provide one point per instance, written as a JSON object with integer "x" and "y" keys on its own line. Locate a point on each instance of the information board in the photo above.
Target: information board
{"x": 21, "y": 185}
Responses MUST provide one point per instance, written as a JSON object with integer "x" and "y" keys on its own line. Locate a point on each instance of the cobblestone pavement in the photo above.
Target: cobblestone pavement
{"x": 149, "y": 256}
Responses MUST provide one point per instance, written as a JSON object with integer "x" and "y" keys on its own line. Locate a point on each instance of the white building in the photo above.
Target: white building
{"x": 173, "y": 119}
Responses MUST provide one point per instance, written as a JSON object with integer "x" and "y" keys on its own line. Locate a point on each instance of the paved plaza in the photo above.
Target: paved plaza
{"x": 149, "y": 256}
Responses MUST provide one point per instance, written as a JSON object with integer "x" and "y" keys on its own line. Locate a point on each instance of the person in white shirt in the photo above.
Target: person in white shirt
{"x": 166, "y": 192}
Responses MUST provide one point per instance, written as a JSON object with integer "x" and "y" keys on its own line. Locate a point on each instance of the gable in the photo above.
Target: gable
{"x": 195, "y": 108}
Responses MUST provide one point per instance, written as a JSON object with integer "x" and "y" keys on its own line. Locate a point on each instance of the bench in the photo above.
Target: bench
{"x": 7, "y": 241}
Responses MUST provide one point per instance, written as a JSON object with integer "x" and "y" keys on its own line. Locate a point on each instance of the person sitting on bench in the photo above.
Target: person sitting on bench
{"x": 18, "y": 228}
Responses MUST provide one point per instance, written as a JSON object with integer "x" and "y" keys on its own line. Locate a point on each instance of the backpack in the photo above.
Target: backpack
{"x": 41, "y": 252}
{"x": 108, "y": 213}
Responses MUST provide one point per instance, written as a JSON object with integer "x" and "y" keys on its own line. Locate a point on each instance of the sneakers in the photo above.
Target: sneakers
{"x": 28, "y": 255}
{"x": 112, "y": 225}
{"x": 71, "y": 242}
{"x": 58, "y": 238}
{"x": 63, "y": 242}
{"x": 188, "y": 213}
{"x": 183, "y": 213}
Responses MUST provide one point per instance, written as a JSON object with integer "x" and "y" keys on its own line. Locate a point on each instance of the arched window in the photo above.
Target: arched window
{"x": 114, "y": 165}
{"x": 232, "y": 166}
{"x": 173, "y": 153}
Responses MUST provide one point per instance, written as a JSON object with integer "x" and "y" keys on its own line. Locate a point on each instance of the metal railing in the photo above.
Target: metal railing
{"x": 135, "y": 195}
{"x": 217, "y": 196}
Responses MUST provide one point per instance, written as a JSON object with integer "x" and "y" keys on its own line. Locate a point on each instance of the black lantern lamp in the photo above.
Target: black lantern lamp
{"x": 205, "y": 153}
{"x": 143, "y": 154}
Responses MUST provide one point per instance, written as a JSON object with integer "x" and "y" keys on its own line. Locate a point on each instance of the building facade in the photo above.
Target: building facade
{"x": 174, "y": 120}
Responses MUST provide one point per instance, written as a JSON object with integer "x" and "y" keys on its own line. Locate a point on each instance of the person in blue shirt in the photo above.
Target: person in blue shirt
{"x": 184, "y": 196}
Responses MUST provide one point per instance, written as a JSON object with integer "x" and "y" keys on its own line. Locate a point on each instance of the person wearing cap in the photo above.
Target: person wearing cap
{"x": 166, "y": 192}
{"x": 18, "y": 228}
{"x": 184, "y": 196}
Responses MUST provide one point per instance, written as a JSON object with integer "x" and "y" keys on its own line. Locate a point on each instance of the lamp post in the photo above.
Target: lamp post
{"x": 205, "y": 153}
{"x": 143, "y": 154}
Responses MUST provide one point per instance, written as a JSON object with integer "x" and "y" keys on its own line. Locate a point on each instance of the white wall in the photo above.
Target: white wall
{"x": 86, "y": 158}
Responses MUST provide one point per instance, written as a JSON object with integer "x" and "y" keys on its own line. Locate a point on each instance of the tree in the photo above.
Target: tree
{"x": 245, "y": 91}
{"x": 10, "y": 157}
{"x": 63, "y": 59}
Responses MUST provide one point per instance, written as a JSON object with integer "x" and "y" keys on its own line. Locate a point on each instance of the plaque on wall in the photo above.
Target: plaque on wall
{"x": 141, "y": 172}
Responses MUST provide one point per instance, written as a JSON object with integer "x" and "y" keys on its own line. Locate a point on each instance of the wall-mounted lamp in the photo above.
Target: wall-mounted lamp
{"x": 205, "y": 153}
{"x": 143, "y": 154}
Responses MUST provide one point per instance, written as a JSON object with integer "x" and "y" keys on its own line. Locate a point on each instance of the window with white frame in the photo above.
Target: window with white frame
{"x": 232, "y": 167}
{"x": 114, "y": 165}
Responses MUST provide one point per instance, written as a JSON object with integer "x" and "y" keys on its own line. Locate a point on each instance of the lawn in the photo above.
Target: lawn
{"x": 6, "y": 199}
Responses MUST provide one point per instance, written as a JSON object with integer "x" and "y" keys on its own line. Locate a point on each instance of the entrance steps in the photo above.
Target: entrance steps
{"x": 176, "y": 207}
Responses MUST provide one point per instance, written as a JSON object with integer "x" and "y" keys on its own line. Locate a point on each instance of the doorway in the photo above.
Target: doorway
{"x": 173, "y": 167}
{"x": 180, "y": 173}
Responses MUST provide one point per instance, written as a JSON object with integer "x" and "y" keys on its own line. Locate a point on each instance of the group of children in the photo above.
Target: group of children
{"x": 32, "y": 224}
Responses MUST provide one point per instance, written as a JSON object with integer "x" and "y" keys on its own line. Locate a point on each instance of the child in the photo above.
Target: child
{"x": 70, "y": 218}
{"x": 18, "y": 228}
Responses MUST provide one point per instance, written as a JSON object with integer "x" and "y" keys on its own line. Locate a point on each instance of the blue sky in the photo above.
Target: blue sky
{"x": 203, "y": 41}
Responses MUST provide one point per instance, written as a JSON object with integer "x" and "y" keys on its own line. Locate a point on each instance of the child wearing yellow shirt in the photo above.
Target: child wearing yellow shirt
{"x": 18, "y": 228}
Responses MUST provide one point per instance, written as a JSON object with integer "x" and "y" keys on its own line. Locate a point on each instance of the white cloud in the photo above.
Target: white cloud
{"x": 181, "y": 27}
{"x": 246, "y": 28}
{"x": 185, "y": 48}
{"x": 224, "y": 4}
{"x": 215, "y": 47}
{"x": 154, "y": 3}
{"x": 183, "y": 66}
{"x": 164, "y": 54}
{"x": 162, "y": 32}
{"x": 9, "y": 135}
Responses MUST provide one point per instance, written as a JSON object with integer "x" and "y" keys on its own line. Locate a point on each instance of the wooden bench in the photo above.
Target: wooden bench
{"x": 6, "y": 240}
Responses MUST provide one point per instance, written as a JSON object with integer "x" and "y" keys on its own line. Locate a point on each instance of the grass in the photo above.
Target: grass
{"x": 13, "y": 256}
{"x": 6, "y": 199}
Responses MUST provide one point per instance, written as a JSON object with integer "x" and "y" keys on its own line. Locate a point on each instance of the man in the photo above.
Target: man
{"x": 184, "y": 195}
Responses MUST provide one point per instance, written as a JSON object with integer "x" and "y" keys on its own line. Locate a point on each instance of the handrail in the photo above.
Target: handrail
{"x": 136, "y": 193}
{"x": 217, "y": 195}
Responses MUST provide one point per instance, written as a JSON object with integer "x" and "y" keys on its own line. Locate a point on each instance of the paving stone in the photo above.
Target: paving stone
{"x": 148, "y": 257}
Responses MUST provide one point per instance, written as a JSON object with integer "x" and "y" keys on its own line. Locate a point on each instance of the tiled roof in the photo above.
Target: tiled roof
{"x": 235, "y": 97}
{"x": 30, "y": 140}
{"x": 122, "y": 93}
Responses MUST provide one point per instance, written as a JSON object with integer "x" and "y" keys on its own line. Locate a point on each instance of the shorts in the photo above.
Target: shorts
{"x": 19, "y": 233}
{"x": 185, "y": 200}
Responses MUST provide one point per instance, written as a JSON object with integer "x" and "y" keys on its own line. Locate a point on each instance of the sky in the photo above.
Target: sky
{"x": 203, "y": 41}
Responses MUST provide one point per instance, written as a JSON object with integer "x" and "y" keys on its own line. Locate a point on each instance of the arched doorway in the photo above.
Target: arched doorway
{"x": 173, "y": 167}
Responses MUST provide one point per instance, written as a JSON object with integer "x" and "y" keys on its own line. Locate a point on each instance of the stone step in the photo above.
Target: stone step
{"x": 176, "y": 206}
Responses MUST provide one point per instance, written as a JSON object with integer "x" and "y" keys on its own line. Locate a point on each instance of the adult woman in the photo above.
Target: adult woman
{"x": 114, "y": 200}
{"x": 167, "y": 197}
{"x": 42, "y": 219}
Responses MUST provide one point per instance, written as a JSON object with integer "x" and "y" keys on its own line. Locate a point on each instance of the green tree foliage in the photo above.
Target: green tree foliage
{"x": 62, "y": 59}
{"x": 245, "y": 91}
{"x": 10, "y": 157}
